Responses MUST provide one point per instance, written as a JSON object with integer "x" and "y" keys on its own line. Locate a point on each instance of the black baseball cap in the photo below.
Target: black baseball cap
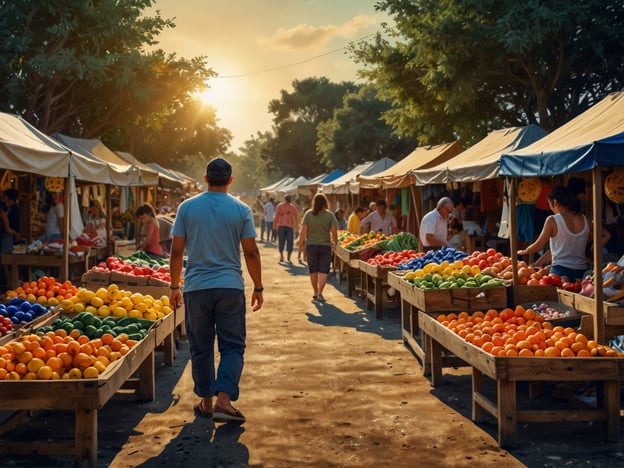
{"x": 218, "y": 171}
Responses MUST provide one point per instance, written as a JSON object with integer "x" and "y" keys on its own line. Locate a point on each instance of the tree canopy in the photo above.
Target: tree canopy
{"x": 292, "y": 150}
{"x": 357, "y": 133}
{"x": 465, "y": 67}
{"x": 83, "y": 69}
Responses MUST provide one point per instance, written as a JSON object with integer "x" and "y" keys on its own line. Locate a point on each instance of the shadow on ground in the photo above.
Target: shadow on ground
{"x": 202, "y": 443}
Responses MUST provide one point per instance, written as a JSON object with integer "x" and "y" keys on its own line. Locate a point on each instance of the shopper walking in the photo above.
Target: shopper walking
{"x": 211, "y": 228}
{"x": 269, "y": 216}
{"x": 319, "y": 229}
{"x": 285, "y": 221}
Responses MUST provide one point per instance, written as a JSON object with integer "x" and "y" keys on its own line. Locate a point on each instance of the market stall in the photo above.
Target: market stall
{"x": 25, "y": 150}
{"x": 593, "y": 141}
{"x": 507, "y": 371}
{"x": 398, "y": 178}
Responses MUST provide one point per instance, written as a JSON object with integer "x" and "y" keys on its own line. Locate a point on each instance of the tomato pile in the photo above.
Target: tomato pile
{"x": 393, "y": 259}
{"x": 121, "y": 266}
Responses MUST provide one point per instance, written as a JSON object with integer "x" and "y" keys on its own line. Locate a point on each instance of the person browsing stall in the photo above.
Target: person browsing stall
{"x": 434, "y": 225}
{"x": 457, "y": 237}
{"x": 380, "y": 220}
{"x": 567, "y": 232}
{"x": 9, "y": 220}
{"x": 354, "y": 223}
{"x": 150, "y": 243}
{"x": 55, "y": 217}
{"x": 211, "y": 228}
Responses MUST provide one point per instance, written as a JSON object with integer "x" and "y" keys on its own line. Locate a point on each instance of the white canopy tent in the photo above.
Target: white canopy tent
{"x": 291, "y": 189}
{"x": 347, "y": 183}
{"x": 120, "y": 171}
{"x": 271, "y": 190}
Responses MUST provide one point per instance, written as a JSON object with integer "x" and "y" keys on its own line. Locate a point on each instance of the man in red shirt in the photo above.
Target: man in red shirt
{"x": 285, "y": 220}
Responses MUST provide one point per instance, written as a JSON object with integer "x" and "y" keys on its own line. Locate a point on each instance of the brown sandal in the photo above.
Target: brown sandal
{"x": 227, "y": 415}
{"x": 200, "y": 411}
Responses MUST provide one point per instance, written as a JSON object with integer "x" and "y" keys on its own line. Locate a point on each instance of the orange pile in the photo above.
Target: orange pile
{"x": 57, "y": 355}
{"x": 46, "y": 290}
{"x": 522, "y": 332}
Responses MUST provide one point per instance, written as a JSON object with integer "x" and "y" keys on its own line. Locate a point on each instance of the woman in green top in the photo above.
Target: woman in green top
{"x": 319, "y": 230}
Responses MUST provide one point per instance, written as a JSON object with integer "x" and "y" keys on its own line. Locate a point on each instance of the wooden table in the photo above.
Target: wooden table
{"x": 15, "y": 261}
{"x": 508, "y": 371}
{"x": 374, "y": 278}
{"x": 350, "y": 262}
{"x": 84, "y": 396}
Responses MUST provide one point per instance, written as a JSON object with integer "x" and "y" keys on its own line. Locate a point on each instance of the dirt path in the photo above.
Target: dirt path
{"x": 323, "y": 385}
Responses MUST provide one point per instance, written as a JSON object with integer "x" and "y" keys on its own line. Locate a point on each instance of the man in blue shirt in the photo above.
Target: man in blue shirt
{"x": 212, "y": 227}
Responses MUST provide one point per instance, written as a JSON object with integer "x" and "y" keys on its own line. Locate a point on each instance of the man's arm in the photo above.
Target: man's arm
{"x": 176, "y": 259}
{"x": 254, "y": 267}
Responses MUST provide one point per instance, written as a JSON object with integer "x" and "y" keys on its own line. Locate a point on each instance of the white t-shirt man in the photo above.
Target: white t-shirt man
{"x": 435, "y": 223}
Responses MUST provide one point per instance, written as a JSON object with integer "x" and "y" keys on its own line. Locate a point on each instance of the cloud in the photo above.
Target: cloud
{"x": 305, "y": 36}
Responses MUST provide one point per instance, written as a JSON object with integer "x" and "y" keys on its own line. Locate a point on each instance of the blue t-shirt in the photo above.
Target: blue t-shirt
{"x": 213, "y": 224}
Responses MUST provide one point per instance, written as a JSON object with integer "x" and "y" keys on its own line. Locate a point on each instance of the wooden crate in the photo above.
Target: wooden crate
{"x": 374, "y": 279}
{"x": 534, "y": 294}
{"x": 395, "y": 280}
{"x": 94, "y": 277}
{"x": 84, "y": 396}
{"x": 613, "y": 313}
{"x": 456, "y": 299}
{"x": 507, "y": 371}
{"x": 122, "y": 279}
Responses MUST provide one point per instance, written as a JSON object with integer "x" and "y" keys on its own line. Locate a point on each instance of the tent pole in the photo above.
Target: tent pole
{"x": 66, "y": 206}
{"x": 599, "y": 324}
{"x": 513, "y": 240}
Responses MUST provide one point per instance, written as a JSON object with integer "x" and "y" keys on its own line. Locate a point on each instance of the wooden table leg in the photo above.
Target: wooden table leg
{"x": 169, "y": 348}
{"x": 86, "y": 437}
{"x": 147, "y": 379}
{"x": 477, "y": 389}
{"x": 432, "y": 361}
{"x": 507, "y": 419}
{"x": 365, "y": 287}
{"x": 378, "y": 299}
{"x": 350, "y": 281}
{"x": 612, "y": 406}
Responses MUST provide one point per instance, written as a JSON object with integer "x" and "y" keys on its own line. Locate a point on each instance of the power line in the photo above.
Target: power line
{"x": 280, "y": 67}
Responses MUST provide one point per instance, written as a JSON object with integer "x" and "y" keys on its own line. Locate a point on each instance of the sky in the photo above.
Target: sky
{"x": 258, "y": 47}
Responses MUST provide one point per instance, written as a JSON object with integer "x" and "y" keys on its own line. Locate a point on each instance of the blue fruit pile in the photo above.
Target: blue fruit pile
{"x": 22, "y": 311}
{"x": 433, "y": 256}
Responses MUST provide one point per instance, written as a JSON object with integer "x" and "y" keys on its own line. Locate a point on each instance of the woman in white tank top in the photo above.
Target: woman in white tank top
{"x": 567, "y": 232}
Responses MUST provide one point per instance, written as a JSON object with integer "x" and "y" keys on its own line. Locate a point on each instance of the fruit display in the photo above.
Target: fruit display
{"x": 115, "y": 302}
{"x": 6, "y": 325}
{"x": 22, "y": 311}
{"x": 45, "y": 291}
{"x": 494, "y": 263}
{"x": 444, "y": 254}
{"x": 522, "y": 332}
{"x": 363, "y": 241}
{"x": 393, "y": 259}
{"x": 135, "y": 265}
{"x": 448, "y": 275}
{"x": 550, "y": 312}
{"x": 57, "y": 355}
{"x": 95, "y": 327}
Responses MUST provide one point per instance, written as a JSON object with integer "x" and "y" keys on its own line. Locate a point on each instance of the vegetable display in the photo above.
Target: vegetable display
{"x": 136, "y": 265}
